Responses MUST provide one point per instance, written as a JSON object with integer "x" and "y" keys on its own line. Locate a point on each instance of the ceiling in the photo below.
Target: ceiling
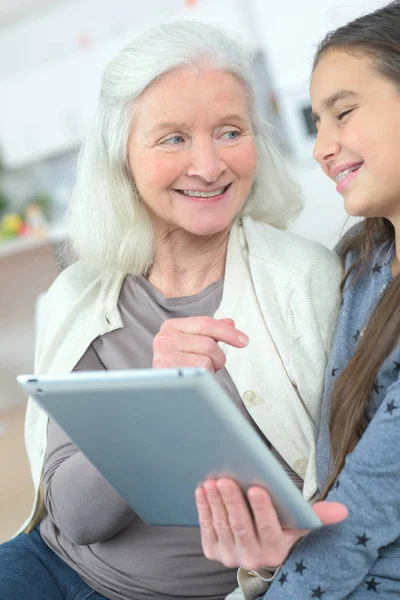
{"x": 12, "y": 11}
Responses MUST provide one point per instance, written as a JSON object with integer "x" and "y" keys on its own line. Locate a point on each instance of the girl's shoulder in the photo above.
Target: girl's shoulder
{"x": 379, "y": 259}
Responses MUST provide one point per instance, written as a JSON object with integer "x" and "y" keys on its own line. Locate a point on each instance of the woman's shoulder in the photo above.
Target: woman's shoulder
{"x": 72, "y": 282}
{"x": 75, "y": 288}
{"x": 288, "y": 250}
{"x": 76, "y": 297}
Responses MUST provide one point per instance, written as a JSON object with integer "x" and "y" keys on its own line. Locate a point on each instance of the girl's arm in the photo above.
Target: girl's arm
{"x": 334, "y": 561}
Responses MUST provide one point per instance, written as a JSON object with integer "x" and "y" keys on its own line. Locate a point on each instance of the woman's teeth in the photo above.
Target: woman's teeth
{"x": 204, "y": 194}
{"x": 344, "y": 174}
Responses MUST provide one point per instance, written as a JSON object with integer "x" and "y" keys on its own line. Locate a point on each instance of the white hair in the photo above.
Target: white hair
{"x": 109, "y": 227}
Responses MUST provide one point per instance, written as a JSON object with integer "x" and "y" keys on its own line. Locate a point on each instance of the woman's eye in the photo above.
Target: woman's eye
{"x": 344, "y": 114}
{"x": 231, "y": 135}
{"x": 175, "y": 140}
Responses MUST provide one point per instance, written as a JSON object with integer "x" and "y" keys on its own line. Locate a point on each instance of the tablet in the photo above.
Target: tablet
{"x": 155, "y": 434}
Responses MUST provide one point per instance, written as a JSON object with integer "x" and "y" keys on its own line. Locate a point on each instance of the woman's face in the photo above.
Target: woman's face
{"x": 192, "y": 150}
{"x": 357, "y": 114}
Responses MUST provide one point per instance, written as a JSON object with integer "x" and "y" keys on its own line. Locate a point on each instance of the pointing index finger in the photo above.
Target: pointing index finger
{"x": 219, "y": 330}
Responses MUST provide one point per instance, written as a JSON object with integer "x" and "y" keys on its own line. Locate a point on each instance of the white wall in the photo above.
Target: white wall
{"x": 290, "y": 33}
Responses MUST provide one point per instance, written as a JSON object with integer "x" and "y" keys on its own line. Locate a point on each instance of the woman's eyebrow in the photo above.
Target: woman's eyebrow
{"x": 179, "y": 126}
{"x": 233, "y": 117}
{"x": 169, "y": 125}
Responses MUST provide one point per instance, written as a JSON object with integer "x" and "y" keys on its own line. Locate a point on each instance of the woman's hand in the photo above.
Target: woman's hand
{"x": 234, "y": 537}
{"x": 193, "y": 342}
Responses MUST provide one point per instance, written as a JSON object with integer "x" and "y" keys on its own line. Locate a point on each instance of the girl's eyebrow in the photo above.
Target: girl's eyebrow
{"x": 331, "y": 101}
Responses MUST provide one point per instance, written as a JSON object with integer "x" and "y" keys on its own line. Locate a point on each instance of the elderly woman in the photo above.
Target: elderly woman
{"x": 176, "y": 222}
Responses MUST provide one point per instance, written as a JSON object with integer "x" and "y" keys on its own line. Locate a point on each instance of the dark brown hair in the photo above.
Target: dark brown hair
{"x": 376, "y": 36}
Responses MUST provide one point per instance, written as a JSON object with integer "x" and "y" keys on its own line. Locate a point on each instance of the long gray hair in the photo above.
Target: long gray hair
{"x": 109, "y": 227}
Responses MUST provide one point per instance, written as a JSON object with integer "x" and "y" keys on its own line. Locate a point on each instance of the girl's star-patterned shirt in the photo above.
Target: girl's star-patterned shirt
{"x": 359, "y": 558}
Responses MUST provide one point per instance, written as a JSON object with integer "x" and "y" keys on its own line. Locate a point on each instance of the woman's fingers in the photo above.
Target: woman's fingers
{"x": 209, "y": 539}
{"x": 275, "y": 542}
{"x": 202, "y": 345}
{"x": 193, "y": 341}
{"x": 247, "y": 548}
{"x": 220, "y": 521}
{"x": 229, "y": 321}
{"x": 265, "y": 518}
{"x": 240, "y": 518}
{"x": 330, "y": 512}
{"x": 219, "y": 330}
{"x": 182, "y": 359}
{"x": 186, "y": 350}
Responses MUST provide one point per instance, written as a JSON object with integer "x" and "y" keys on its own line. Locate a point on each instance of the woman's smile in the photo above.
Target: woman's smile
{"x": 205, "y": 196}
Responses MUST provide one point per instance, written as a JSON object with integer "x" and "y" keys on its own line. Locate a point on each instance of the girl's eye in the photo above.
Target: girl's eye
{"x": 345, "y": 113}
{"x": 175, "y": 140}
{"x": 231, "y": 135}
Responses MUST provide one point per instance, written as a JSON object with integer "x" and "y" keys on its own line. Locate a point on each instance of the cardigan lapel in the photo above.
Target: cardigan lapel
{"x": 261, "y": 378}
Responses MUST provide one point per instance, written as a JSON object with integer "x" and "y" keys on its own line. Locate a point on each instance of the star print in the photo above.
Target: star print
{"x": 396, "y": 365}
{"x": 337, "y": 485}
{"x": 391, "y": 407}
{"x": 300, "y": 567}
{"x": 362, "y": 540}
{"x": 317, "y": 593}
{"x": 283, "y": 578}
{"x": 377, "y": 268}
{"x": 334, "y": 371}
{"x": 357, "y": 335}
{"x": 372, "y": 585}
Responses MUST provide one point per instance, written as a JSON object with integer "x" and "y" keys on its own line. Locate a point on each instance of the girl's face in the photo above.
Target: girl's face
{"x": 357, "y": 114}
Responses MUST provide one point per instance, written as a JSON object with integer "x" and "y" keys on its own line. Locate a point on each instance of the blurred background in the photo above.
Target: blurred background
{"x": 52, "y": 53}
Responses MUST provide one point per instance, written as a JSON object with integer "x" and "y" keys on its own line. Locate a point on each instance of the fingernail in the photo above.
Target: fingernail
{"x": 243, "y": 339}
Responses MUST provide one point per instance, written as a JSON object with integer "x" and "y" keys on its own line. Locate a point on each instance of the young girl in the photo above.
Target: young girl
{"x": 355, "y": 94}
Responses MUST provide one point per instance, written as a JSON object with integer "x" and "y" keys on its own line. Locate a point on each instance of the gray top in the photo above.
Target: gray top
{"x": 359, "y": 558}
{"x": 88, "y": 523}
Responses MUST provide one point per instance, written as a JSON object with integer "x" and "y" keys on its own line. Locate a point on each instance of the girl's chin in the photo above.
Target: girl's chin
{"x": 358, "y": 207}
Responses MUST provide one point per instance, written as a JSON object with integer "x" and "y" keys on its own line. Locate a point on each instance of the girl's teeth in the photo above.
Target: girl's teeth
{"x": 203, "y": 194}
{"x": 344, "y": 174}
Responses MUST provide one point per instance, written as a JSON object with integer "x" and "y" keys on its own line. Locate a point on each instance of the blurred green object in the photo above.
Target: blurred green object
{"x": 4, "y": 203}
{"x": 7, "y": 235}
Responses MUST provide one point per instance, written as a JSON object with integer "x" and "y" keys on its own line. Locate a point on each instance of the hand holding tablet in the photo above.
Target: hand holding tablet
{"x": 248, "y": 534}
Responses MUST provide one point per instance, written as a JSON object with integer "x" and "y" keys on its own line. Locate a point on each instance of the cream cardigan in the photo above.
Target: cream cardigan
{"x": 280, "y": 289}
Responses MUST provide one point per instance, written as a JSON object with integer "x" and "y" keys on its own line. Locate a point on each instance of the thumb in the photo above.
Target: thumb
{"x": 229, "y": 321}
{"x": 330, "y": 512}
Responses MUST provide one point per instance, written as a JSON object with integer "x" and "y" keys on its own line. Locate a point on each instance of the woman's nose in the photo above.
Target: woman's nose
{"x": 206, "y": 162}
